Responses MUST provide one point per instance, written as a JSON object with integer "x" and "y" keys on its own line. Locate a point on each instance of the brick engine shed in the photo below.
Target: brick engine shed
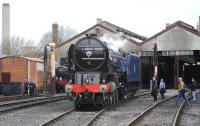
{"x": 16, "y": 69}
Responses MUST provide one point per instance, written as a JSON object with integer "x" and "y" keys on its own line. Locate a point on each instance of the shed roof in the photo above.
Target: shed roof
{"x": 131, "y": 36}
{"x": 180, "y": 24}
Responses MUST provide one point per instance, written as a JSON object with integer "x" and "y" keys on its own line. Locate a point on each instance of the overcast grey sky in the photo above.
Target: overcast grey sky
{"x": 31, "y": 18}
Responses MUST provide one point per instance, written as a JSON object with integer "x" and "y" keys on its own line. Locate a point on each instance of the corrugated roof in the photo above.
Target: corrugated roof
{"x": 180, "y": 24}
{"x": 106, "y": 28}
{"x": 126, "y": 32}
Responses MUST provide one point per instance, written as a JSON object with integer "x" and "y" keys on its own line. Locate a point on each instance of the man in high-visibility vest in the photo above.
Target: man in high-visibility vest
{"x": 181, "y": 91}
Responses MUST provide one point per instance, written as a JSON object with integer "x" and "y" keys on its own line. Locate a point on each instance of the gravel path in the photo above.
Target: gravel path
{"x": 122, "y": 113}
{"x": 191, "y": 115}
{"x": 36, "y": 115}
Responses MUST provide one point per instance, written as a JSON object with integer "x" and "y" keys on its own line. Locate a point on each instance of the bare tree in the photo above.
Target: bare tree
{"x": 47, "y": 37}
{"x": 6, "y": 49}
{"x": 22, "y": 47}
{"x": 16, "y": 45}
{"x": 64, "y": 34}
{"x": 32, "y": 52}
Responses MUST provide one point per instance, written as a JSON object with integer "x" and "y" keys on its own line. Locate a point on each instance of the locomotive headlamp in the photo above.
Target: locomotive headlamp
{"x": 68, "y": 88}
{"x": 103, "y": 81}
{"x": 103, "y": 88}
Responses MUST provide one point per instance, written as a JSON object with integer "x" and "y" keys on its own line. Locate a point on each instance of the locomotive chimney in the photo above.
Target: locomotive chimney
{"x": 98, "y": 20}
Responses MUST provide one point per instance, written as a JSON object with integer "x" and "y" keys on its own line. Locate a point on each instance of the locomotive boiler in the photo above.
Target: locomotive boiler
{"x": 97, "y": 75}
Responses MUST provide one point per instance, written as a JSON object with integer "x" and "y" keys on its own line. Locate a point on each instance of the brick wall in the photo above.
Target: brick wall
{"x": 40, "y": 74}
{"x": 32, "y": 73}
{"x": 15, "y": 66}
{"x": 18, "y": 69}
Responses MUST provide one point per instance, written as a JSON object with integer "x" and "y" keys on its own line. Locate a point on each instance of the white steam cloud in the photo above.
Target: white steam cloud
{"x": 114, "y": 43}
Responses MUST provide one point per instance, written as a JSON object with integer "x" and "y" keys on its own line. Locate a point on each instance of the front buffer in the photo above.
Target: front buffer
{"x": 89, "y": 94}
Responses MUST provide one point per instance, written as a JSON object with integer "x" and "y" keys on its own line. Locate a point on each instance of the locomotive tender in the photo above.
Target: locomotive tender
{"x": 98, "y": 75}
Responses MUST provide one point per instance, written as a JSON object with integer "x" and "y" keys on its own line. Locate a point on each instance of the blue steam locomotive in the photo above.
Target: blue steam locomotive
{"x": 98, "y": 75}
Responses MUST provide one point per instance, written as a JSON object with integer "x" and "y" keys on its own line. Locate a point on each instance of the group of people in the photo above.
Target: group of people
{"x": 181, "y": 89}
{"x": 29, "y": 88}
{"x": 162, "y": 88}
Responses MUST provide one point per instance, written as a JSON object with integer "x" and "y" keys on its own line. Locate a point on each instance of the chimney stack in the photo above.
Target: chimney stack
{"x": 55, "y": 40}
{"x": 98, "y": 20}
{"x": 6, "y": 48}
{"x": 55, "y": 33}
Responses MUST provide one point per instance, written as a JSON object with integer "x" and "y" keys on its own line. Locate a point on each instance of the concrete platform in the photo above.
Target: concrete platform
{"x": 171, "y": 92}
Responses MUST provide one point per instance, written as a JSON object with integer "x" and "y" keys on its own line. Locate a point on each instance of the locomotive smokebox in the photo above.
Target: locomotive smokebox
{"x": 89, "y": 54}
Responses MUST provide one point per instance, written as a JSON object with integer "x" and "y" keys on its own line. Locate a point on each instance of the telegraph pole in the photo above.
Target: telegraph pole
{"x": 155, "y": 60}
{"x": 45, "y": 69}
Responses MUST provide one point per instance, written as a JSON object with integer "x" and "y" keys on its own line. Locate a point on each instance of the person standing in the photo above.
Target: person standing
{"x": 26, "y": 86}
{"x": 154, "y": 88}
{"x": 193, "y": 89}
{"x": 162, "y": 88}
{"x": 32, "y": 88}
{"x": 181, "y": 91}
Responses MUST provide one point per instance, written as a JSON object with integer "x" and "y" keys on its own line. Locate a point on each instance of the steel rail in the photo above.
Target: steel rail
{"x": 93, "y": 119}
{"x": 27, "y": 101}
{"x": 179, "y": 112}
{"x": 57, "y": 117}
{"x": 29, "y": 104}
{"x": 144, "y": 113}
{"x": 9, "y": 98}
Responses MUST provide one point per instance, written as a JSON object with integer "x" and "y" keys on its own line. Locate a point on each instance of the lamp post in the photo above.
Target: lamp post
{"x": 155, "y": 59}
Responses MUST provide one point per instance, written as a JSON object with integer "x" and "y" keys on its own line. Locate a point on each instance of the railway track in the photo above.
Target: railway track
{"x": 82, "y": 118}
{"x": 8, "y": 98}
{"x": 179, "y": 113}
{"x": 72, "y": 118}
{"x": 11, "y": 106}
{"x": 163, "y": 112}
{"x": 92, "y": 120}
{"x": 51, "y": 121}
